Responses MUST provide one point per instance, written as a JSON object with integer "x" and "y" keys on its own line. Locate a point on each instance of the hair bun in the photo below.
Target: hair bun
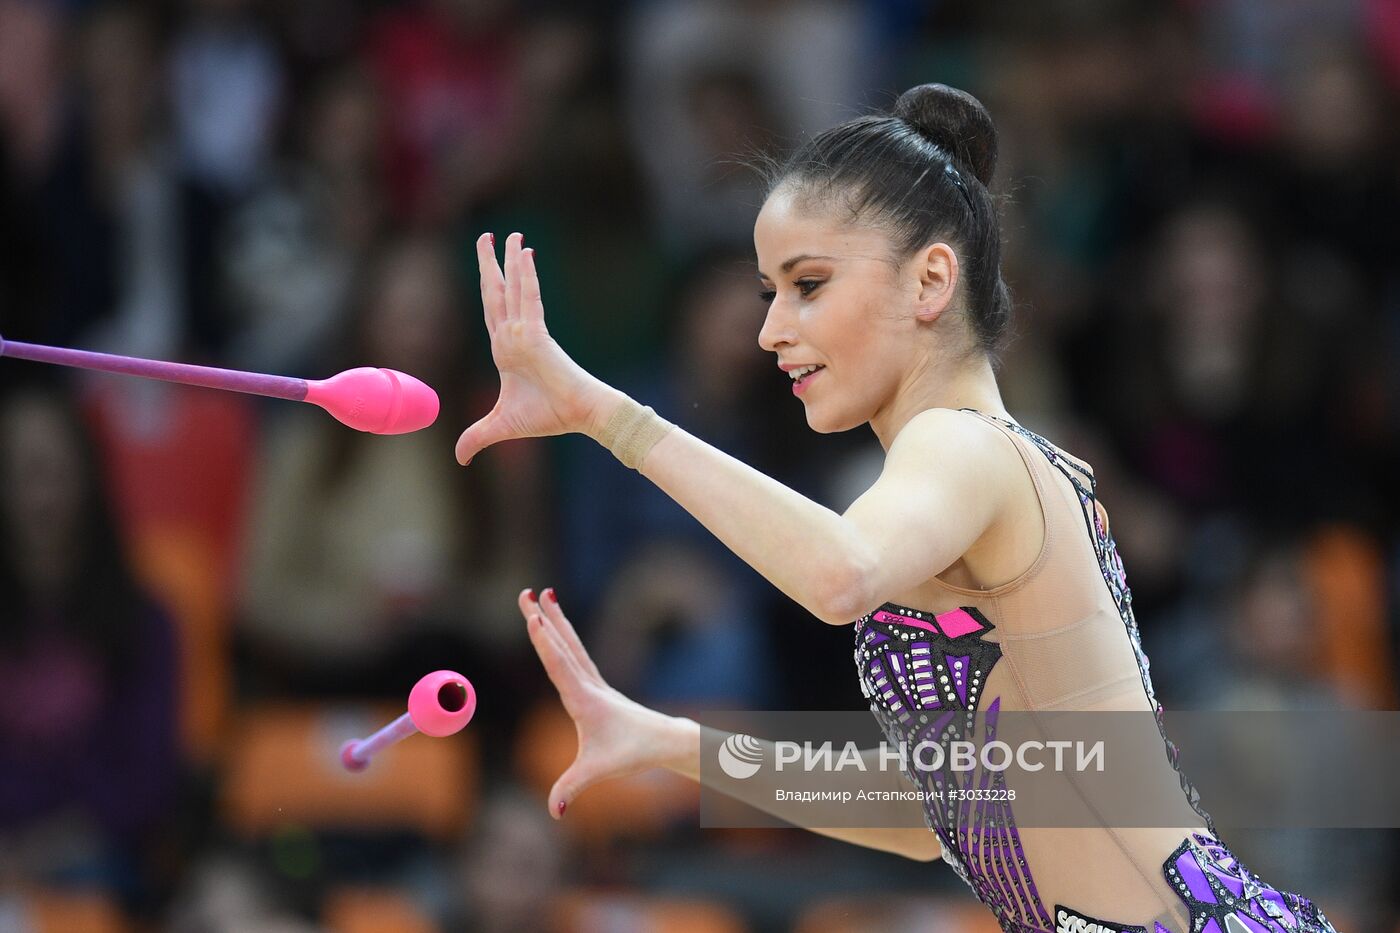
{"x": 955, "y": 121}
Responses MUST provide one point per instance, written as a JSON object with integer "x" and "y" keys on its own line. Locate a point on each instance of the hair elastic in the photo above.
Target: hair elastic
{"x": 956, "y": 178}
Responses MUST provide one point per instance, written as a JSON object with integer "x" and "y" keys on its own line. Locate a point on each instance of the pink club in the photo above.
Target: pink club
{"x": 379, "y": 401}
{"x": 440, "y": 704}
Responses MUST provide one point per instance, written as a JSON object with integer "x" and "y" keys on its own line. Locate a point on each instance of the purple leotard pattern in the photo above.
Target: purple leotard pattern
{"x": 1226, "y": 897}
{"x": 923, "y": 674}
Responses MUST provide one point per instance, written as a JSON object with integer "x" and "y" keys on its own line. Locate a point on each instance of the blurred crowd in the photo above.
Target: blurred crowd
{"x": 1199, "y": 208}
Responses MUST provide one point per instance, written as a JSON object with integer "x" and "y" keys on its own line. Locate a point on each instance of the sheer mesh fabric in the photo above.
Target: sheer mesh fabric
{"x": 1060, "y": 637}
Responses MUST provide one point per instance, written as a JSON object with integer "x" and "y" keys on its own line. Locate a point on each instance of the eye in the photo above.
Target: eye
{"x": 767, "y": 297}
{"x": 807, "y": 286}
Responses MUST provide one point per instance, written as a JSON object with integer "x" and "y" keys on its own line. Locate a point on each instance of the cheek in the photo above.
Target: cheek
{"x": 837, "y": 325}
{"x": 867, "y": 363}
{"x": 853, "y": 334}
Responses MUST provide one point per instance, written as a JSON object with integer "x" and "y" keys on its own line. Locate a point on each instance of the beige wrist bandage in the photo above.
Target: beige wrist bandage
{"x": 632, "y": 431}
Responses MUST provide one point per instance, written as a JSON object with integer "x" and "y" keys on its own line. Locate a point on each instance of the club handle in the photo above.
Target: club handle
{"x": 210, "y": 377}
{"x": 355, "y": 754}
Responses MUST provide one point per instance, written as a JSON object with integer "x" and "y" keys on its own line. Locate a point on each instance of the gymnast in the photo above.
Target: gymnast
{"x": 878, "y": 250}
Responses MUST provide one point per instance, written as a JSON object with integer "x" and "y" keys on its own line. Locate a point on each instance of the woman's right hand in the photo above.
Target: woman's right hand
{"x": 543, "y": 391}
{"x": 616, "y": 736}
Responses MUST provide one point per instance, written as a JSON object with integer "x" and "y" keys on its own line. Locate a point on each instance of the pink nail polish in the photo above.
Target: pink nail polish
{"x": 561, "y": 807}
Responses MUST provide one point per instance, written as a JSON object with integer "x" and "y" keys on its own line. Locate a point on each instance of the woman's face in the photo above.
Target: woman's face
{"x": 838, "y": 301}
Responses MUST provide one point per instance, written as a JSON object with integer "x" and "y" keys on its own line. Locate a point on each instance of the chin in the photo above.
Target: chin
{"x": 827, "y": 423}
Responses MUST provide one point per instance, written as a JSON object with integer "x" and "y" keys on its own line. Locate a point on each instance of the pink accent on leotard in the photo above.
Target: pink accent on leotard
{"x": 957, "y": 622}
{"x": 952, "y": 623}
{"x": 896, "y": 618}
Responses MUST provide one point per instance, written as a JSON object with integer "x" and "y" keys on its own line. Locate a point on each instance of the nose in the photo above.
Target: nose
{"x": 777, "y": 329}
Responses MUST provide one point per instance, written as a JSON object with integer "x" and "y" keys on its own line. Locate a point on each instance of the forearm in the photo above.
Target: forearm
{"x": 806, "y": 550}
{"x": 681, "y": 741}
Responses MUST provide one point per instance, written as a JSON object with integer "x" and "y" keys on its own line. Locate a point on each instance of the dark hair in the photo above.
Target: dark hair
{"x": 922, "y": 171}
{"x": 103, "y": 603}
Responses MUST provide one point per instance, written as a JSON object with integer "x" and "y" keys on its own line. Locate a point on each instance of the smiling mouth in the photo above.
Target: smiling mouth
{"x": 799, "y": 382}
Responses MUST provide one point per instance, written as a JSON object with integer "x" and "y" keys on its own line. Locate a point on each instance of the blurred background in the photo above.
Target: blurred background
{"x": 206, "y": 593}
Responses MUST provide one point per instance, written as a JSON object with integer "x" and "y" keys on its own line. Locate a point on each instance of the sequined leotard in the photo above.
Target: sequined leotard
{"x": 1062, "y": 636}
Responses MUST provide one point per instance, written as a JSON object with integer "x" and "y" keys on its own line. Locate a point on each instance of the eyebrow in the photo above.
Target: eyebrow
{"x": 787, "y": 266}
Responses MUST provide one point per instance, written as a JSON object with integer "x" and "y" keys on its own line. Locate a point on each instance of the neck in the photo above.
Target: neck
{"x": 962, "y": 384}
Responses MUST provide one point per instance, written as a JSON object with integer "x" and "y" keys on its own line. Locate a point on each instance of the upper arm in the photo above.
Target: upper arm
{"x": 945, "y": 482}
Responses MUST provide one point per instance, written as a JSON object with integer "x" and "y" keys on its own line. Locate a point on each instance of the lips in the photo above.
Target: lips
{"x": 801, "y": 385}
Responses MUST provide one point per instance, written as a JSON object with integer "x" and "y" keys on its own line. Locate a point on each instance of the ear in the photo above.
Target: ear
{"x": 937, "y": 269}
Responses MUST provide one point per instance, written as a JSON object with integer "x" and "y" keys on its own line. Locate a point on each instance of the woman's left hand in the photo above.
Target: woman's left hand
{"x": 617, "y": 736}
{"x": 543, "y": 391}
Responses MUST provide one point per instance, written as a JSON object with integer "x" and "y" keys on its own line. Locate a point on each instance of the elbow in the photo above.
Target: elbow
{"x": 925, "y": 849}
{"x": 918, "y": 844}
{"x": 925, "y": 855}
{"x": 843, "y": 593}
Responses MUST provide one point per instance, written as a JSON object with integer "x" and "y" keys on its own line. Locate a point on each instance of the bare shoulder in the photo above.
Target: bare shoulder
{"x": 967, "y": 460}
{"x": 978, "y": 471}
{"x": 958, "y": 440}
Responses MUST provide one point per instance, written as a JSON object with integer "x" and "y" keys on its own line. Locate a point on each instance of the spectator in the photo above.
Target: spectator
{"x": 88, "y": 755}
{"x": 290, "y": 252}
{"x": 373, "y": 560}
{"x": 451, "y": 71}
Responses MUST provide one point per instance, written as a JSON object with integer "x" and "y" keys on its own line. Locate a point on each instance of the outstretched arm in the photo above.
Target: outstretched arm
{"x": 941, "y": 488}
{"x": 937, "y": 494}
{"x": 618, "y": 736}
